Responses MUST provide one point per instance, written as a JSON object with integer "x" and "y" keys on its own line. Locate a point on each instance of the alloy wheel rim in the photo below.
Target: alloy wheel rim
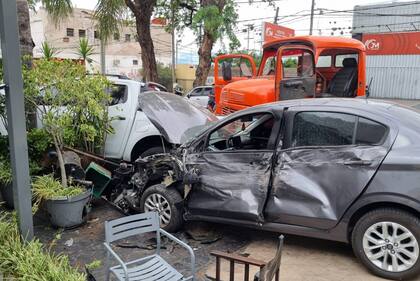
{"x": 390, "y": 246}
{"x": 158, "y": 203}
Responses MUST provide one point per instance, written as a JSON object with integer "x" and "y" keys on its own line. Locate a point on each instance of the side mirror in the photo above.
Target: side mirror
{"x": 227, "y": 71}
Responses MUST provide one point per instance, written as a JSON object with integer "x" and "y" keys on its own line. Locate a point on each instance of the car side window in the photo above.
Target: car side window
{"x": 118, "y": 93}
{"x": 369, "y": 132}
{"x": 207, "y": 91}
{"x": 323, "y": 129}
{"x": 249, "y": 132}
{"x": 196, "y": 92}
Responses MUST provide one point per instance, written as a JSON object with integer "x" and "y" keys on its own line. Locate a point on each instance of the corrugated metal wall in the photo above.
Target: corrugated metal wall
{"x": 367, "y": 20}
{"x": 396, "y": 76}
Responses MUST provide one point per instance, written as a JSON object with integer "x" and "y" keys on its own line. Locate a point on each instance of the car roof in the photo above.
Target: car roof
{"x": 318, "y": 42}
{"x": 384, "y": 108}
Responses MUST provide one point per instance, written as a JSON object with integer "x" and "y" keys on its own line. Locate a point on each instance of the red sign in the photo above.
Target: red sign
{"x": 273, "y": 31}
{"x": 400, "y": 43}
{"x": 159, "y": 21}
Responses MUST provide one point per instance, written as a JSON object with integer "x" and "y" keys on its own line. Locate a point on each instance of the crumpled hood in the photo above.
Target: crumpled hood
{"x": 173, "y": 116}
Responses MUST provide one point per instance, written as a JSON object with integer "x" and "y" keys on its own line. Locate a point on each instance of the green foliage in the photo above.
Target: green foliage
{"x": 94, "y": 265}
{"x": 290, "y": 63}
{"x": 110, "y": 15}
{"x": 31, "y": 261}
{"x": 5, "y": 172}
{"x": 165, "y": 76}
{"x": 73, "y": 104}
{"x": 39, "y": 141}
{"x": 85, "y": 50}
{"x": 46, "y": 187}
{"x": 48, "y": 51}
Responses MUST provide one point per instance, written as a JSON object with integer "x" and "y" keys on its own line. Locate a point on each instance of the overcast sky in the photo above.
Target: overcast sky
{"x": 289, "y": 11}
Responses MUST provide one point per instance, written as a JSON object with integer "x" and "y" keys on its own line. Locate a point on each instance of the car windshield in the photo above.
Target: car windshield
{"x": 193, "y": 132}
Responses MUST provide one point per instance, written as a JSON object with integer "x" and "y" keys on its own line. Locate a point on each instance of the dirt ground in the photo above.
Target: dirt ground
{"x": 303, "y": 258}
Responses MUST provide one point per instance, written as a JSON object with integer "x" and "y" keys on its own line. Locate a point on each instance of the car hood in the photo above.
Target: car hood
{"x": 176, "y": 118}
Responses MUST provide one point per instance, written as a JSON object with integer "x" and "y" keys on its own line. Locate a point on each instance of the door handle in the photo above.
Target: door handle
{"x": 358, "y": 163}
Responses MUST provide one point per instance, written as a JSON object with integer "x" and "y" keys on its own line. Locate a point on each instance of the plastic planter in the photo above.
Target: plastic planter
{"x": 68, "y": 212}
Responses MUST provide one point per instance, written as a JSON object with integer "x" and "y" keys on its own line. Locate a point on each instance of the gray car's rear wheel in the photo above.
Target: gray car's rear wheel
{"x": 387, "y": 242}
{"x": 166, "y": 201}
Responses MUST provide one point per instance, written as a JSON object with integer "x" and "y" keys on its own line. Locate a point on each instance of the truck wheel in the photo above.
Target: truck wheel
{"x": 167, "y": 202}
{"x": 152, "y": 151}
{"x": 387, "y": 242}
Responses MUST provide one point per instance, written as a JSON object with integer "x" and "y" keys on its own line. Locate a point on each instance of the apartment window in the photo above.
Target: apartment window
{"x": 127, "y": 37}
{"x": 116, "y": 36}
{"x": 135, "y": 62}
{"x": 82, "y": 33}
{"x": 96, "y": 34}
{"x": 66, "y": 39}
{"x": 70, "y": 32}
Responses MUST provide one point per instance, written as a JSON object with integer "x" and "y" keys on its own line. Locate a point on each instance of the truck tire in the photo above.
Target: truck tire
{"x": 167, "y": 202}
{"x": 152, "y": 151}
{"x": 387, "y": 241}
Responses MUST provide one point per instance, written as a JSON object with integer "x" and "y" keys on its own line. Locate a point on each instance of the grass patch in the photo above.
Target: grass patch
{"x": 31, "y": 261}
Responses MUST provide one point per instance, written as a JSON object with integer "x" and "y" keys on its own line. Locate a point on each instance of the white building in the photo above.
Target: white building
{"x": 123, "y": 52}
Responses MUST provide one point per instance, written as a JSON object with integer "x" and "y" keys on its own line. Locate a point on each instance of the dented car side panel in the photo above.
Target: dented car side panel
{"x": 313, "y": 187}
{"x": 232, "y": 184}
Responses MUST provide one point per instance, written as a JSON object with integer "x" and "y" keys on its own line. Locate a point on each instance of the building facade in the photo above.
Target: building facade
{"x": 122, "y": 52}
{"x": 391, "y": 34}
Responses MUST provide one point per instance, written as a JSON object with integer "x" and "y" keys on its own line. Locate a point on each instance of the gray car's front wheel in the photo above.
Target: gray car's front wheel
{"x": 387, "y": 242}
{"x": 166, "y": 201}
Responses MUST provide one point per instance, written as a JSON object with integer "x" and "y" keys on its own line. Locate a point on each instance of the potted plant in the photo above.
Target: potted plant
{"x": 6, "y": 187}
{"x": 66, "y": 206}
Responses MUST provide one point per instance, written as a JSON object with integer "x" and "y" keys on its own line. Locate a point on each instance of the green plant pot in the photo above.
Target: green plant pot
{"x": 7, "y": 194}
{"x": 68, "y": 212}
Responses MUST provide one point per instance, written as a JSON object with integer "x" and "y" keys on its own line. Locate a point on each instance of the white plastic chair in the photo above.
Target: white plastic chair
{"x": 150, "y": 268}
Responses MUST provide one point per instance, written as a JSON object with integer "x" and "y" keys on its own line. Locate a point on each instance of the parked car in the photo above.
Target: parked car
{"x": 338, "y": 169}
{"x": 200, "y": 95}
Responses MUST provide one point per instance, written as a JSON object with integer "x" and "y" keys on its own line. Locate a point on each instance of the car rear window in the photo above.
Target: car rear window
{"x": 323, "y": 129}
{"x": 369, "y": 132}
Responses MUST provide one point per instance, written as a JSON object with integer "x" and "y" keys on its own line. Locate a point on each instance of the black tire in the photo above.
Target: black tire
{"x": 393, "y": 215}
{"x": 174, "y": 199}
{"x": 152, "y": 151}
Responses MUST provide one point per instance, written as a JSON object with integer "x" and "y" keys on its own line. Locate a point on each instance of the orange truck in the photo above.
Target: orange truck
{"x": 290, "y": 68}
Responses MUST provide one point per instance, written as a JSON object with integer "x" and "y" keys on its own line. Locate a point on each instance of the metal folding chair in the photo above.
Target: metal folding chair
{"x": 150, "y": 268}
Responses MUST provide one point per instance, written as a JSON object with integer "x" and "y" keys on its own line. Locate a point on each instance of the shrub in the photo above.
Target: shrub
{"x": 31, "y": 261}
{"x": 46, "y": 187}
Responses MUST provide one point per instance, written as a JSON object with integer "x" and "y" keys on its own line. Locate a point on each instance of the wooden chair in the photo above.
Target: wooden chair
{"x": 267, "y": 272}
{"x": 151, "y": 268}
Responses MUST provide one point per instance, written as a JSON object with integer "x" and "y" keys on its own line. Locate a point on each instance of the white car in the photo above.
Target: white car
{"x": 200, "y": 95}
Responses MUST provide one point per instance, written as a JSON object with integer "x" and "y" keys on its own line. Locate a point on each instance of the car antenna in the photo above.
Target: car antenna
{"x": 368, "y": 87}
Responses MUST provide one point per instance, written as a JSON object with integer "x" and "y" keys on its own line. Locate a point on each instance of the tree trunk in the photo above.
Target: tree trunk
{"x": 25, "y": 38}
{"x": 204, "y": 53}
{"x": 204, "y": 62}
{"x": 143, "y": 10}
{"x": 60, "y": 162}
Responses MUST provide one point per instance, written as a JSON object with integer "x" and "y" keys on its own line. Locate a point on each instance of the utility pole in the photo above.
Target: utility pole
{"x": 173, "y": 48}
{"x": 248, "y": 28}
{"x": 15, "y": 106}
{"x": 312, "y": 17}
{"x": 276, "y": 16}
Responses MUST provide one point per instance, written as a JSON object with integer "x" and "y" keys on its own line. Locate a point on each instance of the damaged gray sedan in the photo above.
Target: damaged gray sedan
{"x": 338, "y": 169}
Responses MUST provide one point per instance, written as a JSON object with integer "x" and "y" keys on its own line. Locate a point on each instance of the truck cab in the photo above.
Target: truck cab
{"x": 291, "y": 68}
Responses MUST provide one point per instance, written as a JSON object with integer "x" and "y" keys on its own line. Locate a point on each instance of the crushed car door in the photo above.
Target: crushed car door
{"x": 328, "y": 160}
{"x": 297, "y": 77}
{"x": 230, "y": 68}
{"x": 234, "y": 169}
